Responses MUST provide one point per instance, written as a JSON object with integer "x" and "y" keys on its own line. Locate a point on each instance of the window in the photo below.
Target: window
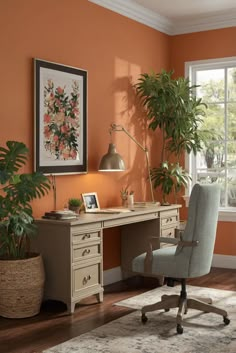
{"x": 216, "y": 163}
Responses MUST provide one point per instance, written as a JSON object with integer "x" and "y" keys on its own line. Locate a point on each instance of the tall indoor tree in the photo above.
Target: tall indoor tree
{"x": 172, "y": 107}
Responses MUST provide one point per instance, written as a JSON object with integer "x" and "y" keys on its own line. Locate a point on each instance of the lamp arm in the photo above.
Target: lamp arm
{"x": 115, "y": 127}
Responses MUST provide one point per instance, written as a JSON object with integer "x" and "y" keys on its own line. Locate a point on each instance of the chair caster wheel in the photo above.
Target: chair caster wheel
{"x": 226, "y": 320}
{"x": 144, "y": 319}
{"x": 179, "y": 329}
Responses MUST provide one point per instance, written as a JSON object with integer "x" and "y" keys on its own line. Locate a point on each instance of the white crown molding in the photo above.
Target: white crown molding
{"x": 182, "y": 26}
{"x": 205, "y": 22}
{"x": 138, "y": 13}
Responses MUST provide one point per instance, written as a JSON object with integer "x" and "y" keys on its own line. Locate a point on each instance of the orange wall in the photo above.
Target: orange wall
{"x": 200, "y": 46}
{"x": 114, "y": 50}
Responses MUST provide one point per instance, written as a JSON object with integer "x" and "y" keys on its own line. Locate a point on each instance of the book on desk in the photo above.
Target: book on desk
{"x": 61, "y": 215}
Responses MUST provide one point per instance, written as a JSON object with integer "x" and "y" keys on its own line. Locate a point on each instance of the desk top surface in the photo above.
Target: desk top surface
{"x": 84, "y": 218}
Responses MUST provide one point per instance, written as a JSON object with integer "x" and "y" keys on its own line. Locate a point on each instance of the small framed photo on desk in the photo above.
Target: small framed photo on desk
{"x": 91, "y": 205}
{"x": 91, "y": 202}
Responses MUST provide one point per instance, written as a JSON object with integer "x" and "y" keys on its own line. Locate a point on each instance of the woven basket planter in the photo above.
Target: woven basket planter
{"x": 21, "y": 287}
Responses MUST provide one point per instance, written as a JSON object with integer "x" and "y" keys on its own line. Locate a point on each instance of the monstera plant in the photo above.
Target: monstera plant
{"x": 21, "y": 272}
{"x": 18, "y": 190}
{"x": 173, "y": 108}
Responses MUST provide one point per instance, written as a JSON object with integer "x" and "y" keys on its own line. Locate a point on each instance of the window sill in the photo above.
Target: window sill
{"x": 225, "y": 215}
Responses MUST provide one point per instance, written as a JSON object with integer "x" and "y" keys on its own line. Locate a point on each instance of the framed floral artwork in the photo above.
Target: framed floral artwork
{"x": 60, "y": 118}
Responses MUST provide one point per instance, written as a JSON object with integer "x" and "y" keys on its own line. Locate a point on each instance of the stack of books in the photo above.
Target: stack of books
{"x": 61, "y": 215}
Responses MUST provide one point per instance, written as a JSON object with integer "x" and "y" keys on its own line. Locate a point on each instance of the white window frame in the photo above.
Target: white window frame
{"x": 225, "y": 214}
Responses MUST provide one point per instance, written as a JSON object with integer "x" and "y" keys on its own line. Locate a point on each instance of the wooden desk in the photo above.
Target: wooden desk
{"x": 73, "y": 253}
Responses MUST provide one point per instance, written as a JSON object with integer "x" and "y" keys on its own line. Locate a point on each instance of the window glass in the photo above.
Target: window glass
{"x": 216, "y": 162}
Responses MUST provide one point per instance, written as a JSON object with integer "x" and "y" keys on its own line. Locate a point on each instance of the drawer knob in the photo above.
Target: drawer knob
{"x": 86, "y": 279}
{"x": 86, "y": 236}
{"x": 86, "y": 252}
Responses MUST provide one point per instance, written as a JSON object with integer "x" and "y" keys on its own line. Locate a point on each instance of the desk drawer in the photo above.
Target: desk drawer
{"x": 85, "y": 252}
{"x": 169, "y": 213}
{"x": 168, "y": 232}
{"x": 84, "y": 237}
{"x": 168, "y": 221}
{"x": 128, "y": 220}
{"x": 86, "y": 277}
{"x": 86, "y": 228}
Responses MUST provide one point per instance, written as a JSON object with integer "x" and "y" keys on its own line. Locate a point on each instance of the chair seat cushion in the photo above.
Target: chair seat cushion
{"x": 164, "y": 262}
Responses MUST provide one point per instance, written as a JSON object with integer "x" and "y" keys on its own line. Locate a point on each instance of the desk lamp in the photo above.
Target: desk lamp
{"x": 113, "y": 162}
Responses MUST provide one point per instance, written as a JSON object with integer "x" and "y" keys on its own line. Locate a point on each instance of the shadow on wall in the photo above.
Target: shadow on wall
{"x": 132, "y": 115}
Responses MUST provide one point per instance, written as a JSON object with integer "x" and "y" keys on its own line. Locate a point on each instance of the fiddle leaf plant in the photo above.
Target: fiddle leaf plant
{"x": 173, "y": 108}
{"x": 16, "y": 193}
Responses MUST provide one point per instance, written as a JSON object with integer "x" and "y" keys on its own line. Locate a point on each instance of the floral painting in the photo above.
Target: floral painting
{"x": 61, "y": 121}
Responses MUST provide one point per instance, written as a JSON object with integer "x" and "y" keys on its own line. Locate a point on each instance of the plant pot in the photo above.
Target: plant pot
{"x": 21, "y": 287}
{"x": 75, "y": 209}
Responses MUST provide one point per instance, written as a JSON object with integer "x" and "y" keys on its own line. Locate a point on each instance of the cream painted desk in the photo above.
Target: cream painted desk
{"x": 73, "y": 253}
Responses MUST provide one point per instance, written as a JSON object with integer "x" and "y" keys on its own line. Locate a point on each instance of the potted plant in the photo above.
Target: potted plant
{"x": 173, "y": 108}
{"x": 75, "y": 204}
{"x": 21, "y": 272}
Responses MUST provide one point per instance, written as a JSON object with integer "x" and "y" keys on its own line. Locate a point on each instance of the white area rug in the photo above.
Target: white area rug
{"x": 203, "y": 333}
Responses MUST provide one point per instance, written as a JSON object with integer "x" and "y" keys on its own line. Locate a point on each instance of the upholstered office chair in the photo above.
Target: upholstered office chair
{"x": 190, "y": 257}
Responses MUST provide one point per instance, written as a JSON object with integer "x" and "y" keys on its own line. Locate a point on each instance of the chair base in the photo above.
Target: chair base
{"x": 183, "y": 303}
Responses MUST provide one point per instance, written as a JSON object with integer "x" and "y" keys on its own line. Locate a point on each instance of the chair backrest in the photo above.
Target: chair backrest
{"x": 201, "y": 226}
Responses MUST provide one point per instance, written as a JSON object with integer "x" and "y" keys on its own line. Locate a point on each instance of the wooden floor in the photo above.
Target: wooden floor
{"x": 52, "y": 326}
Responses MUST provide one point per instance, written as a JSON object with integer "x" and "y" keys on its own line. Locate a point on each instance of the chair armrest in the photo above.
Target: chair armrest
{"x": 149, "y": 254}
{"x": 179, "y": 242}
{"x": 168, "y": 240}
{"x": 188, "y": 243}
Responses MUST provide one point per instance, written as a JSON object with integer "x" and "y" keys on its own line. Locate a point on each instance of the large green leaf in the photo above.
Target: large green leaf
{"x": 18, "y": 190}
{"x": 12, "y": 159}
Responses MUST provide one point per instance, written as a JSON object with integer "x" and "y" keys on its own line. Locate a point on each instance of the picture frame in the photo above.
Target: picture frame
{"x": 60, "y": 133}
{"x": 90, "y": 201}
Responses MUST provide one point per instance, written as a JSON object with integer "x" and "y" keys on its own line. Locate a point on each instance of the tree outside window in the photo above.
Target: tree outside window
{"x": 216, "y": 163}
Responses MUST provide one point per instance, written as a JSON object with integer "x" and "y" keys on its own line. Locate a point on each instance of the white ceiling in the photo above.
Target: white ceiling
{"x": 176, "y": 9}
{"x": 176, "y": 16}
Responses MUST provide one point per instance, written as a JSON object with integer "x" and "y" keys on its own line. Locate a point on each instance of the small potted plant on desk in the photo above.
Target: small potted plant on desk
{"x": 75, "y": 205}
{"x": 21, "y": 272}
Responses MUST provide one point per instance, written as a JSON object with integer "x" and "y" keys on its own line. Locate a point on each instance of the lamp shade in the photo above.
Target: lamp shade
{"x": 112, "y": 161}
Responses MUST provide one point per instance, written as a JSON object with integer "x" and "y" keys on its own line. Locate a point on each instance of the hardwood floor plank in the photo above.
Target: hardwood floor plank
{"x": 53, "y": 326}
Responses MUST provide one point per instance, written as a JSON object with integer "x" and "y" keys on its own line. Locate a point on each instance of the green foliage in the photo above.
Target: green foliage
{"x": 173, "y": 108}
{"x": 18, "y": 190}
{"x": 75, "y": 202}
{"x": 212, "y": 92}
{"x": 169, "y": 177}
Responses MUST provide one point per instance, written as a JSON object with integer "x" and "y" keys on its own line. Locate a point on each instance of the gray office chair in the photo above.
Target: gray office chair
{"x": 191, "y": 256}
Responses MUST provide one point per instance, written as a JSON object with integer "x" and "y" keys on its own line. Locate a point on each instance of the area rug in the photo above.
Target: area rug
{"x": 203, "y": 332}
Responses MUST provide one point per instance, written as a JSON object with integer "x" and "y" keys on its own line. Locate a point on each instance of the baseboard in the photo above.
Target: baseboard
{"x": 111, "y": 276}
{"x": 224, "y": 261}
